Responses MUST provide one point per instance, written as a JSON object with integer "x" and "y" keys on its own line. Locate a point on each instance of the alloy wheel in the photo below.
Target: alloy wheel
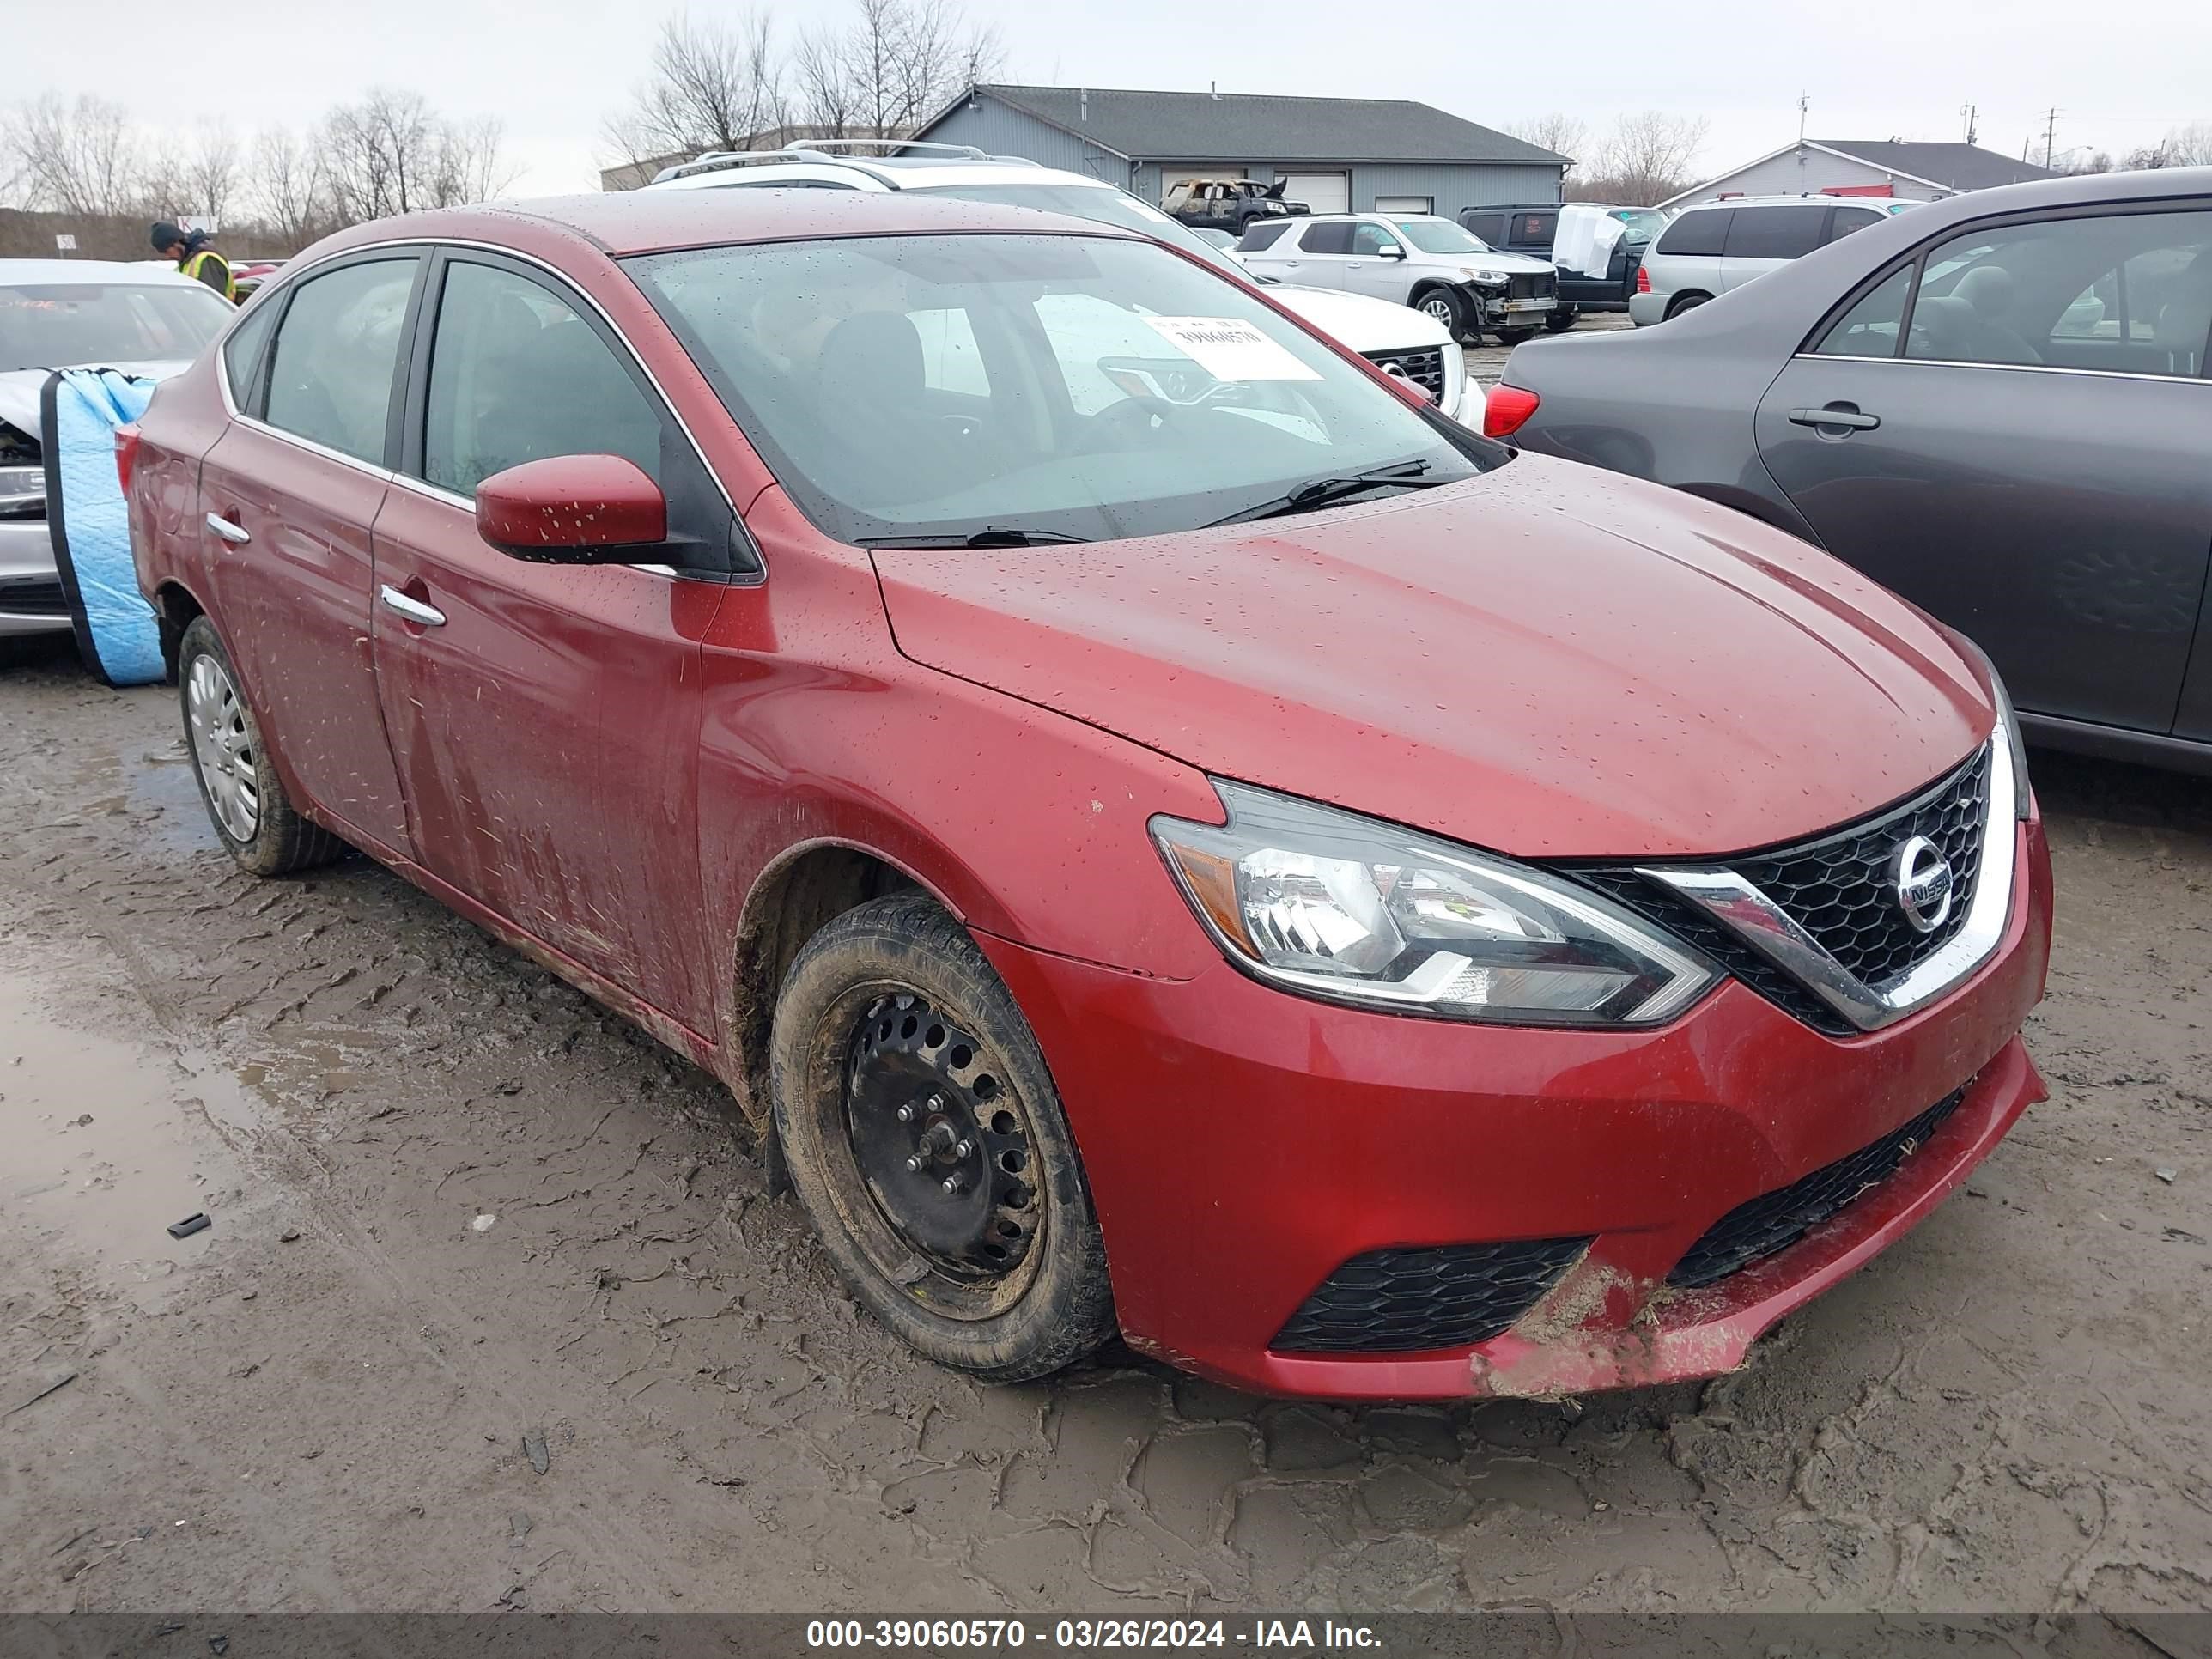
{"x": 223, "y": 749}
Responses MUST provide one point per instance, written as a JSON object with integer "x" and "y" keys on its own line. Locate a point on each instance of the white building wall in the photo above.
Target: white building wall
{"x": 1796, "y": 172}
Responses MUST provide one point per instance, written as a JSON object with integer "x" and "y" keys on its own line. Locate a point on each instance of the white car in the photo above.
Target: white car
{"x": 70, "y": 313}
{"x": 1417, "y": 259}
{"x": 1402, "y": 341}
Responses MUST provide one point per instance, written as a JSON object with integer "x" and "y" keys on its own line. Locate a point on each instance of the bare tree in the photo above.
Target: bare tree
{"x": 895, "y": 65}
{"x": 211, "y": 171}
{"x": 391, "y": 153}
{"x": 713, "y": 86}
{"x": 1560, "y": 133}
{"x": 79, "y": 158}
{"x": 288, "y": 190}
{"x": 1646, "y": 158}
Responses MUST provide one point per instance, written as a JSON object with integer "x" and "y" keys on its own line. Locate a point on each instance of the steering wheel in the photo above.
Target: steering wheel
{"x": 1136, "y": 413}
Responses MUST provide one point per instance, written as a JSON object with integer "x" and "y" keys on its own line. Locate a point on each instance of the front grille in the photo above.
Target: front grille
{"x": 33, "y": 596}
{"x": 1404, "y": 1301}
{"x": 1779, "y": 1219}
{"x": 1839, "y": 888}
{"x": 1425, "y": 369}
{"x": 1532, "y": 285}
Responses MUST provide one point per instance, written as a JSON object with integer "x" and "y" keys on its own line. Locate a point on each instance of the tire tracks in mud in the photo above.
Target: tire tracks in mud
{"x": 1951, "y": 1428}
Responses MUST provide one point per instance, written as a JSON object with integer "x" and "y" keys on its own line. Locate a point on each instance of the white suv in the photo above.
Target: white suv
{"x": 1417, "y": 259}
{"x": 1402, "y": 341}
{"x": 1713, "y": 247}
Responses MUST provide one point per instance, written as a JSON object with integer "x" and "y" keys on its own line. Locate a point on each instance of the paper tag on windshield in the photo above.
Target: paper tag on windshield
{"x": 1230, "y": 350}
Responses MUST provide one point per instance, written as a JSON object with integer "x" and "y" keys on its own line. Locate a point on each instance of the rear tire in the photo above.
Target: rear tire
{"x": 1448, "y": 308}
{"x": 252, "y": 816}
{"x": 925, "y": 1142}
{"x": 1682, "y": 302}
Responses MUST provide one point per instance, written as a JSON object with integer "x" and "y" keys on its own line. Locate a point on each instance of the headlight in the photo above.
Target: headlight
{"x": 1474, "y": 275}
{"x": 1331, "y": 905}
{"x": 2023, "y": 794}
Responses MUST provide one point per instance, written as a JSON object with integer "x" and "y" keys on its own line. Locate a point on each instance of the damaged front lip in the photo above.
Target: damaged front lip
{"x": 1603, "y": 1328}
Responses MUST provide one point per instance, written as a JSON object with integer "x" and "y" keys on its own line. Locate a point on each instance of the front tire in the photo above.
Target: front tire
{"x": 1514, "y": 337}
{"x": 925, "y": 1142}
{"x": 1560, "y": 321}
{"x": 1448, "y": 308}
{"x": 252, "y": 816}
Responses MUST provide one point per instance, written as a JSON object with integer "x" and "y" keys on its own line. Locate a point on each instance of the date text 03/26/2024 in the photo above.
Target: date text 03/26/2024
{"x": 985, "y": 1634}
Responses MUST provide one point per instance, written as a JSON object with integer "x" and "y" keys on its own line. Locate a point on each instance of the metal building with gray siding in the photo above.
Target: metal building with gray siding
{"x": 1360, "y": 154}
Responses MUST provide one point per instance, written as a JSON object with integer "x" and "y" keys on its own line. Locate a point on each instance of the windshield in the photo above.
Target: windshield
{"x": 1049, "y": 385}
{"x": 1103, "y": 202}
{"x": 1441, "y": 236}
{"x": 1643, "y": 223}
{"x": 56, "y": 324}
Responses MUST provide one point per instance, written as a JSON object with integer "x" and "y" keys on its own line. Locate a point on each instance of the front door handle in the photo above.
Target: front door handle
{"x": 1844, "y": 415}
{"x": 235, "y": 534}
{"x": 427, "y": 615}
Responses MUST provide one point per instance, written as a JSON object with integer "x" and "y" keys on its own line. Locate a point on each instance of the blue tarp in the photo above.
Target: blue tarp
{"x": 116, "y": 629}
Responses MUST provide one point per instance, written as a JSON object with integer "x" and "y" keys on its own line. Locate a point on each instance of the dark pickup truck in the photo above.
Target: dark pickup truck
{"x": 1530, "y": 227}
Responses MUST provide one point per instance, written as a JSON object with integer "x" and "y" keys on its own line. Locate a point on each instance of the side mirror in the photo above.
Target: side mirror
{"x": 574, "y": 509}
{"x": 1392, "y": 251}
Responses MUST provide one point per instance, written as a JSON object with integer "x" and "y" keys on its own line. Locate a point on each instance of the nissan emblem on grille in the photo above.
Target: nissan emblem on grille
{"x": 1922, "y": 877}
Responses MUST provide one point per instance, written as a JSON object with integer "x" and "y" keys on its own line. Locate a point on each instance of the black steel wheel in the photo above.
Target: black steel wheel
{"x": 925, "y": 1141}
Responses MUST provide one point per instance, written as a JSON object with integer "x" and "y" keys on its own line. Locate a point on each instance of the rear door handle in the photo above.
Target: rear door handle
{"x": 1837, "y": 415}
{"x": 415, "y": 611}
{"x": 235, "y": 534}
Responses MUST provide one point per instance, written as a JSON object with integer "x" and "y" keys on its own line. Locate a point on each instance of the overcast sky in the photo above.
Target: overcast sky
{"x": 553, "y": 69}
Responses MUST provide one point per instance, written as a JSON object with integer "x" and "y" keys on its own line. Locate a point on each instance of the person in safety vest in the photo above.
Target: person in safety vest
{"x": 196, "y": 257}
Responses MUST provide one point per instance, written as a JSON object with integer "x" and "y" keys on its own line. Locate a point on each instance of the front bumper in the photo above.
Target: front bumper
{"x": 1242, "y": 1144}
{"x": 30, "y": 587}
{"x": 1495, "y": 308}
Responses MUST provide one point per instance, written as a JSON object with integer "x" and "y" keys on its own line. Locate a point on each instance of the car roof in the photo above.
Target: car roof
{"x": 624, "y": 222}
{"x": 891, "y": 172}
{"x": 69, "y": 272}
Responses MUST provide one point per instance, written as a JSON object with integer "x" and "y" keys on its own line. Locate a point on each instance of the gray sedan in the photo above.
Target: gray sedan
{"x": 1996, "y": 405}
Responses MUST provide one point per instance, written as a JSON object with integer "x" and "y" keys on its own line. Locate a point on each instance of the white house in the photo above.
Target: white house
{"x": 1919, "y": 173}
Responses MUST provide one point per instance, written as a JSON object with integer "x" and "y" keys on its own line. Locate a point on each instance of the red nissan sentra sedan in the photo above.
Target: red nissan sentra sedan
{"x": 1168, "y": 833}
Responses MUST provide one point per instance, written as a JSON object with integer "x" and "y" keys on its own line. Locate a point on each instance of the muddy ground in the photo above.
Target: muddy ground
{"x": 495, "y": 1311}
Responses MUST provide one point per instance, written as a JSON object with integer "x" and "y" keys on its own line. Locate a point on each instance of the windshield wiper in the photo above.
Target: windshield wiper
{"x": 989, "y": 536}
{"x": 1403, "y": 475}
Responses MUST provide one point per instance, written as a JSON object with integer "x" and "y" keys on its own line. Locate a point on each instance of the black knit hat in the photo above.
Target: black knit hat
{"x": 167, "y": 235}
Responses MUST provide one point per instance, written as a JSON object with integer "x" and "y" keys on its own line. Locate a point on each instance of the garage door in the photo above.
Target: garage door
{"x": 1324, "y": 193}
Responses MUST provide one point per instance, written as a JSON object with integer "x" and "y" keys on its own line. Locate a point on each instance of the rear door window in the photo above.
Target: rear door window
{"x": 1488, "y": 226}
{"x": 1260, "y": 234}
{"x": 1870, "y": 329}
{"x": 1775, "y": 233}
{"x": 241, "y": 353}
{"x": 1698, "y": 232}
{"x": 1849, "y": 219}
{"x": 1535, "y": 230}
{"x": 330, "y": 379}
{"x": 1334, "y": 238}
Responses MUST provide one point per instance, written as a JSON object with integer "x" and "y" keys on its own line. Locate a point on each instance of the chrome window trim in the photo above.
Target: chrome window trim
{"x": 2024, "y": 369}
{"x": 1767, "y": 929}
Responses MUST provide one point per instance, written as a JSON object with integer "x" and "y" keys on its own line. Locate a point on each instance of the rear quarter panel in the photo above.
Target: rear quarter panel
{"x": 177, "y": 428}
{"x": 1674, "y": 405}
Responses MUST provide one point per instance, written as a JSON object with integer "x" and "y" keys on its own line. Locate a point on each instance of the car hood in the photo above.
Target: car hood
{"x": 1359, "y": 321}
{"x": 1546, "y": 661}
{"x": 1510, "y": 264}
{"x": 20, "y": 388}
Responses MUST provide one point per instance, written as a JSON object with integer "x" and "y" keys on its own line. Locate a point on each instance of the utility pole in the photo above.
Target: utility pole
{"x": 1804, "y": 103}
{"x": 2050, "y": 137}
{"x": 1969, "y": 112}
